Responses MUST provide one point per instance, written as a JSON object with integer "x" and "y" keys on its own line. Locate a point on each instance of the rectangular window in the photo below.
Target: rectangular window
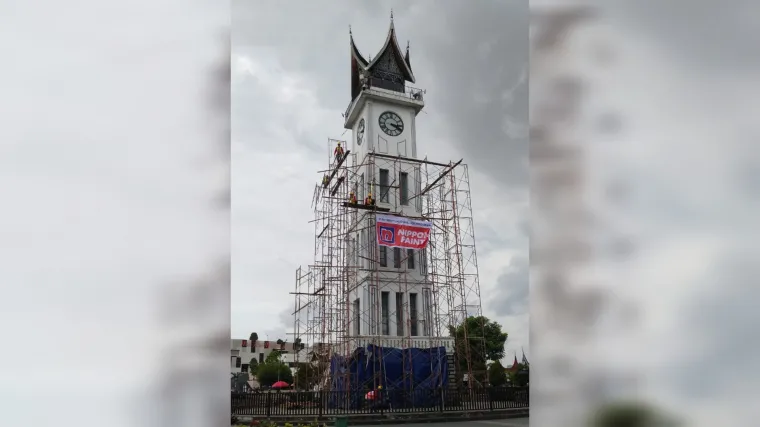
{"x": 362, "y": 253}
{"x": 396, "y": 257}
{"x": 360, "y": 194}
{"x": 410, "y": 259}
{"x": 373, "y": 312}
{"x": 423, "y": 262}
{"x": 237, "y": 362}
{"x": 403, "y": 183}
{"x": 357, "y": 317}
{"x": 383, "y": 256}
{"x": 384, "y": 297}
{"x": 413, "y": 314}
{"x": 418, "y": 189}
{"x": 384, "y": 185}
{"x": 400, "y": 314}
{"x": 244, "y": 367}
{"x": 261, "y": 357}
{"x": 427, "y": 311}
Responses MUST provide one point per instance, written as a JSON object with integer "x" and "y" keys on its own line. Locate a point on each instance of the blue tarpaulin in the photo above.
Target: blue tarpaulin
{"x": 407, "y": 376}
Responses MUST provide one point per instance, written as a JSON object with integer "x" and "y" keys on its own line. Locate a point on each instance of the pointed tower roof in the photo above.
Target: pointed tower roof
{"x": 391, "y": 43}
{"x": 355, "y": 54}
{"x": 358, "y": 65}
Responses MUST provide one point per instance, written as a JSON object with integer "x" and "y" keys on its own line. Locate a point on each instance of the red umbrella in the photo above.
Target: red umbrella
{"x": 280, "y": 384}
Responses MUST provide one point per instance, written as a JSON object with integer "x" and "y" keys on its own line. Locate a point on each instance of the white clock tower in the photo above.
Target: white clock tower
{"x": 391, "y": 302}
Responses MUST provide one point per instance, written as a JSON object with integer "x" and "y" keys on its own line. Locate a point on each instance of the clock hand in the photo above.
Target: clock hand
{"x": 389, "y": 124}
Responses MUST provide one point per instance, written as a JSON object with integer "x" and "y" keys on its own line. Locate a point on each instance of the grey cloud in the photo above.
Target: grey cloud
{"x": 512, "y": 290}
{"x": 703, "y": 33}
{"x": 480, "y": 80}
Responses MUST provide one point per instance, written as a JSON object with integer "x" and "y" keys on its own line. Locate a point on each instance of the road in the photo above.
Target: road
{"x": 513, "y": 422}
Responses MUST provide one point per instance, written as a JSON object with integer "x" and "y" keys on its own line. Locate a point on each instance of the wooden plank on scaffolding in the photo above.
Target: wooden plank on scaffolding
{"x": 335, "y": 170}
{"x": 365, "y": 207}
{"x": 337, "y": 185}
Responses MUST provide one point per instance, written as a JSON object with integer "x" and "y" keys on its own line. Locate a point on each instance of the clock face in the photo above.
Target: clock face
{"x": 391, "y": 123}
{"x": 360, "y": 133}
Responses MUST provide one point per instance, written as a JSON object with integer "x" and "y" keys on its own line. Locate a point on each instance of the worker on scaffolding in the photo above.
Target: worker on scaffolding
{"x": 369, "y": 200}
{"x": 338, "y": 152}
{"x": 325, "y": 181}
{"x": 352, "y": 198}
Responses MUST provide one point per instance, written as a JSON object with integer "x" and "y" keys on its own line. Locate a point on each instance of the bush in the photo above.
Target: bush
{"x": 270, "y": 373}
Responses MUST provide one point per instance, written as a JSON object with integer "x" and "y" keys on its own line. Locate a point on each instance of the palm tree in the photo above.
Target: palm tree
{"x": 254, "y": 337}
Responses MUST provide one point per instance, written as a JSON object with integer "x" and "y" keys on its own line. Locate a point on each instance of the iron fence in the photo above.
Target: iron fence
{"x": 331, "y": 403}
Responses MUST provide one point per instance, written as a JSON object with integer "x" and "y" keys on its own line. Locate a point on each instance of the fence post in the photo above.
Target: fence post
{"x": 442, "y": 398}
{"x": 269, "y": 405}
{"x": 321, "y": 403}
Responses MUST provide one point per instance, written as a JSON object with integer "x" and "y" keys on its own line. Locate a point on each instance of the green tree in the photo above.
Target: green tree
{"x": 253, "y": 338}
{"x": 305, "y": 377}
{"x": 273, "y": 357}
{"x": 270, "y": 373}
{"x": 252, "y": 365}
{"x": 521, "y": 376}
{"x": 484, "y": 341}
{"x": 497, "y": 376}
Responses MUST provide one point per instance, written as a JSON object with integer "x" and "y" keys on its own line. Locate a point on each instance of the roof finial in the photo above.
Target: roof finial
{"x": 349, "y": 31}
{"x": 391, "y": 15}
{"x": 407, "y": 45}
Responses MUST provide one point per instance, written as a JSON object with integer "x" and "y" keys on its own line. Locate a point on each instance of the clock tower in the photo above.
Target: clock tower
{"x": 380, "y": 300}
{"x": 390, "y": 293}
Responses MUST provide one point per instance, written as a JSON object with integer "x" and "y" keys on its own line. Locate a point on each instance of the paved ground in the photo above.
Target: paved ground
{"x": 513, "y": 422}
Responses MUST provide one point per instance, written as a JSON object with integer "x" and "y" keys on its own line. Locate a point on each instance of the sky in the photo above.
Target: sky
{"x": 290, "y": 84}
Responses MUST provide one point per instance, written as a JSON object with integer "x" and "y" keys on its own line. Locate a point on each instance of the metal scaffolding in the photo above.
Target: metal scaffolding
{"x": 329, "y": 319}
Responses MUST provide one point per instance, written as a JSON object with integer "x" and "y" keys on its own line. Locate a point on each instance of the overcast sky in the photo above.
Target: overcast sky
{"x": 290, "y": 84}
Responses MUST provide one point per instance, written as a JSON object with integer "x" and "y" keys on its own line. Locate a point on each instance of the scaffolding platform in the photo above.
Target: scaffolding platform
{"x": 365, "y": 207}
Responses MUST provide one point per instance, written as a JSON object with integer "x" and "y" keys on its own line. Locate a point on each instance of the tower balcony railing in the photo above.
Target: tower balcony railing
{"x": 394, "y": 89}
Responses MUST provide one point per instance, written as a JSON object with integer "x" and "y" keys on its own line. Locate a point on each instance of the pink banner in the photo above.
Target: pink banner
{"x": 400, "y": 232}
